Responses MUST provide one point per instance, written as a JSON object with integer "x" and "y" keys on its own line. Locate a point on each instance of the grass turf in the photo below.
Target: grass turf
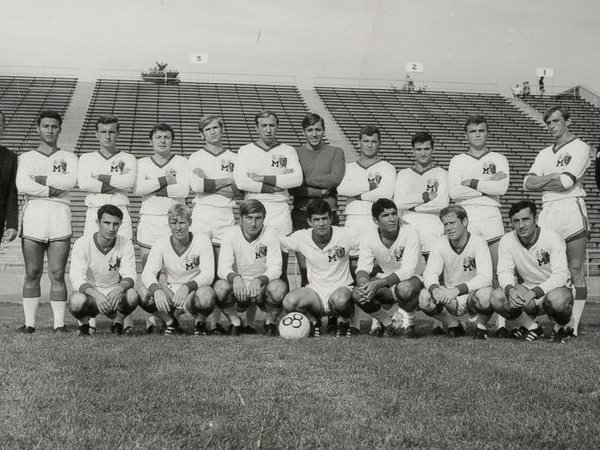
{"x": 64, "y": 391}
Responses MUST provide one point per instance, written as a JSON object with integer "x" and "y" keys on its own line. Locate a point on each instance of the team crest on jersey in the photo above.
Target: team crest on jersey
{"x": 469, "y": 264}
{"x": 564, "y": 160}
{"x": 192, "y": 262}
{"x": 118, "y": 167}
{"x": 336, "y": 254}
{"x": 59, "y": 166}
{"x": 432, "y": 185}
{"x": 398, "y": 253}
{"x": 374, "y": 179}
{"x": 543, "y": 257}
{"x": 226, "y": 165}
{"x": 114, "y": 264}
{"x": 279, "y": 161}
{"x": 260, "y": 251}
{"x": 489, "y": 168}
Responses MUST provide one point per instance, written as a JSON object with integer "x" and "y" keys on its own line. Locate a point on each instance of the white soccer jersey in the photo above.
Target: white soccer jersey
{"x": 214, "y": 167}
{"x": 151, "y": 178}
{"x": 327, "y": 268}
{"x": 484, "y": 191}
{"x": 370, "y": 183}
{"x": 90, "y": 266}
{"x": 469, "y": 270}
{"x": 571, "y": 159}
{"x": 543, "y": 265}
{"x": 401, "y": 258}
{"x": 262, "y": 256}
{"x": 119, "y": 172}
{"x": 413, "y": 187}
{"x": 60, "y": 169}
{"x": 195, "y": 263}
{"x": 279, "y": 164}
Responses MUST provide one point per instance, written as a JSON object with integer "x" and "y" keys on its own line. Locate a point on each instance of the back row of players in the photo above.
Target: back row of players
{"x": 178, "y": 243}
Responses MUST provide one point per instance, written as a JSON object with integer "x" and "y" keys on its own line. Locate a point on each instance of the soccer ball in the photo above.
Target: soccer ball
{"x": 295, "y": 325}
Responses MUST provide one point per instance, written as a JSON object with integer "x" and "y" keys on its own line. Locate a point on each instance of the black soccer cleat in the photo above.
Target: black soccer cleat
{"x": 438, "y": 331}
{"x": 332, "y": 325}
{"x": 481, "y": 334}
{"x": 535, "y": 334}
{"x": 128, "y": 330}
{"x": 116, "y": 328}
{"x": 235, "y": 330}
{"x": 344, "y": 330}
{"x": 62, "y": 329}
{"x": 518, "y": 333}
{"x": 220, "y": 330}
{"x": 26, "y": 329}
{"x": 247, "y": 329}
{"x": 410, "y": 332}
{"x": 502, "y": 333}
{"x": 271, "y": 329}
{"x": 562, "y": 336}
{"x": 83, "y": 329}
{"x": 456, "y": 331}
{"x": 200, "y": 329}
{"x": 315, "y": 329}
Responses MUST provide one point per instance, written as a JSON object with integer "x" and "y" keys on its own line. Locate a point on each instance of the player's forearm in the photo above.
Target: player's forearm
{"x": 497, "y": 187}
{"x": 538, "y": 183}
{"x": 459, "y": 193}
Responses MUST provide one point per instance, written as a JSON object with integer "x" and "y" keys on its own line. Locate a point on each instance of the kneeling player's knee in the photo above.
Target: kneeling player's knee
{"x": 131, "y": 300}
{"x": 341, "y": 303}
{"x": 290, "y": 302}
{"x": 222, "y": 290}
{"x": 426, "y": 303}
{"x": 497, "y": 300}
{"x": 276, "y": 291}
{"x": 480, "y": 302}
{"x": 77, "y": 304}
{"x": 205, "y": 300}
{"x": 558, "y": 304}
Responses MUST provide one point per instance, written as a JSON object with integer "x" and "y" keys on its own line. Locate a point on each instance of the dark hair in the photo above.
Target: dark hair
{"x": 111, "y": 210}
{"x": 476, "y": 119}
{"x": 381, "y": 205}
{"x": 520, "y": 205}
{"x": 311, "y": 119}
{"x": 265, "y": 114}
{"x": 252, "y": 206}
{"x": 50, "y": 114}
{"x": 460, "y": 212}
{"x": 421, "y": 137}
{"x": 162, "y": 127}
{"x": 563, "y": 110}
{"x": 318, "y": 206}
{"x": 107, "y": 120}
{"x": 208, "y": 118}
{"x": 369, "y": 130}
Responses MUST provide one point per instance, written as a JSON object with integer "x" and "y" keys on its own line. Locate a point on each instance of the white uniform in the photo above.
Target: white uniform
{"x": 262, "y": 256}
{"x": 412, "y": 199}
{"x": 213, "y": 211}
{"x": 91, "y": 267}
{"x": 564, "y": 212}
{"x": 481, "y": 200}
{"x": 370, "y": 183}
{"x": 119, "y": 172}
{"x": 158, "y": 197}
{"x": 46, "y": 217}
{"x": 542, "y": 267}
{"x": 469, "y": 270}
{"x": 282, "y": 168}
{"x": 328, "y": 268}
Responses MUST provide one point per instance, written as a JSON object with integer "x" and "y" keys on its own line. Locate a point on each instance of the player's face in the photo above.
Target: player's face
{"x": 108, "y": 226}
{"x": 107, "y": 134}
{"x": 314, "y": 134}
{"x": 162, "y": 141}
{"x": 180, "y": 227}
{"x": 454, "y": 228}
{"x": 524, "y": 224}
{"x": 252, "y": 224}
{"x": 557, "y": 125}
{"x": 49, "y": 130}
{"x": 477, "y": 135}
{"x": 321, "y": 224}
{"x": 423, "y": 152}
{"x": 213, "y": 133}
{"x": 388, "y": 220}
{"x": 369, "y": 145}
{"x": 267, "y": 129}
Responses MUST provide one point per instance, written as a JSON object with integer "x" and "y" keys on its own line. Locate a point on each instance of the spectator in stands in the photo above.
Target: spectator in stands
{"x": 526, "y": 89}
{"x": 517, "y": 91}
{"x": 409, "y": 84}
{"x": 323, "y": 167}
{"x": 9, "y": 209}
{"x": 541, "y": 85}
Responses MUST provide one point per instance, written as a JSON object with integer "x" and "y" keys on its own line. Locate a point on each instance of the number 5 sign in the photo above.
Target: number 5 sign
{"x": 198, "y": 58}
{"x": 413, "y": 67}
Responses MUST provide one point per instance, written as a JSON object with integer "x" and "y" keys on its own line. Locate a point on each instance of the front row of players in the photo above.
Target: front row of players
{"x": 178, "y": 277}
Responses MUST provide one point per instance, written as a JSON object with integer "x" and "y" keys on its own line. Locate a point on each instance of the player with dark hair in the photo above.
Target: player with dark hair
{"x": 323, "y": 168}
{"x": 396, "y": 249}
{"x": 45, "y": 176}
{"x": 249, "y": 269}
{"x": 103, "y": 273}
{"x": 464, "y": 261}
{"x": 557, "y": 173}
{"x": 9, "y": 209}
{"x": 533, "y": 275}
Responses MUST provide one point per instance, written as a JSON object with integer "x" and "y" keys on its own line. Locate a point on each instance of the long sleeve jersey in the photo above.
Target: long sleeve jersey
{"x": 413, "y": 190}
{"x": 214, "y": 167}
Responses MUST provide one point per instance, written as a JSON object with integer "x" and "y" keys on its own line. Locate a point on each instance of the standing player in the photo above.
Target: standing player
{"x": 249, "y": 269}
{"x": 464, "y": 261}
{"x": 557, "y": 172}
{"x": 103, "y": 273}
{"x": 537, "y": 258}
{"x": 266, "y": 169}
{"x": 326, "y": 249}
{"x": 45, "y": 176}
{"x": 476, "y": 181}
{"x": 187, "y": 261}
{"x": 323, "y": 168}
{"x": 396, "y": 248}
{"x": 9, "y": 209}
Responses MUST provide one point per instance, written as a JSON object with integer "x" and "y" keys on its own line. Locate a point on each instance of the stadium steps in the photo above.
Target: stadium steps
{"x": 529, "y": 110}
{"x": 75, "y": 114}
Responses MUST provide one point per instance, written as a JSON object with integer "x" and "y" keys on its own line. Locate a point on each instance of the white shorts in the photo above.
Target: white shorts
{"x": 359, "y": 225}
{"x": 324, "y": 293}
{"x": 279, "y": 217}
{"x": 212, "y": 221}
{"x": 151, "y": 228}
{"x": 105, "y": 290}
{"x": 485, "y": 221}
{"x": 568, "y": 217}
{"x": 91, "y": 222}
{"x": 46, "y": 221}
{"x": 429, "y": 227}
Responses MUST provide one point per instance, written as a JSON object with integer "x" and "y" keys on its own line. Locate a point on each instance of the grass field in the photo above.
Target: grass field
{"x": 63, "y": 391}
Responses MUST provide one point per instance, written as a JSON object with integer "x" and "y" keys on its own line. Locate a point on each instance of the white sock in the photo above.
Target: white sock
{"x": 375, "y": 325}
{"x": 30, "y": 306}
{"x": 92, "y": 322}
{"x": 409, "y": 319}
{"x": 58, "y": 310}
{"x": 83, "y": 321}
{"x": 232, "y": 315}
{"x": 501, "y": 322}
{"x": 481, "y": 326}
{"x": 578, "y": 306}
{"x": 128, "y": 321}
{"x": 383, "y": 316}
{"x": 355, "y": 320}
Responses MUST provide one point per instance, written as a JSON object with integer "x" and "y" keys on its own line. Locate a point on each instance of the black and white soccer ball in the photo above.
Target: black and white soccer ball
{"x": 294, "y": 325}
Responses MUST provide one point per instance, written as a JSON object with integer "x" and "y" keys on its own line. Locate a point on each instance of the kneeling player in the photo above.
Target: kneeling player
{"x": 254, "y": 252}
{"x": 103, "y": 273}
{"x": 539, "y": 258}
{"x": 187, "y": 261}
{"x": 326, "y": 249}
{"x": 396, "y": 248}
{"x": 464, "y": 260}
